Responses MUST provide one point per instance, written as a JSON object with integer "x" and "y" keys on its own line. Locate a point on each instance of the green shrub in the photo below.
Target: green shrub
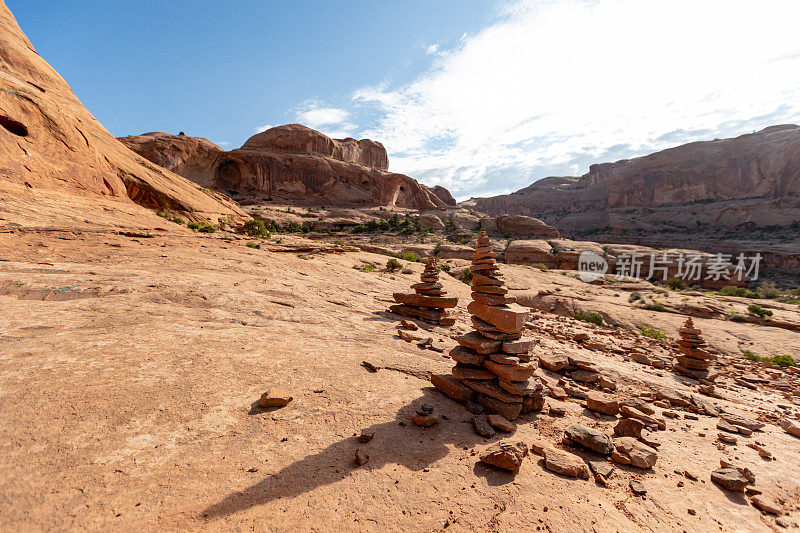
{"x": 255, "y": 228}
{"x": 736, "y": 317}
{"x": 758, "y": 311}
{"x": 365, "y": 268}
{"x": 780, "y": 360}
{"x": 751, "y": 356}
{"x": 411, "y": 257}
{"x": 253, "y": 245}
{"x": 742, "y": 292}
{"x": 393, "y": 265}
{"x": 783, "y": 360}
{"x": 466, "y": 276}
{"x": 676, "y": 284}
{"x": 589, "y": 316}
{"x": 406, "y": 271}
{"x": 655, "y": 306}
{"x": 649, "y": 331}
{"x": 634, "y": 296}
{"x": 768, "y": 290}
{"x": 542, "y": 267}
{"x": 444, "y": 267}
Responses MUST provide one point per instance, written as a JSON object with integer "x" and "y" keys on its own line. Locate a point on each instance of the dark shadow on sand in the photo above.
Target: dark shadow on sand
{"x": 406, "y": 445}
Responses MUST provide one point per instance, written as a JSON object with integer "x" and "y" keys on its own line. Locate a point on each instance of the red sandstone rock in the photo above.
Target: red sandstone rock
{"x": 296, "y": 161}
{"x": 60, "y": 166}
{"x": 508, "y": 318}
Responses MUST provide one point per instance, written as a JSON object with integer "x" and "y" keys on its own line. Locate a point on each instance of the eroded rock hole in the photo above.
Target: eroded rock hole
{"x": 228, "y": 174}
{"x": 15, "y": 127}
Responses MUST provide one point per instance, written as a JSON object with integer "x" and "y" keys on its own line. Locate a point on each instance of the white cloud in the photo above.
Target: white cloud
{"x": 331, "y": 121}
{"x": 263, "y": 128}
{"x": 432, "y": 49}
{"x": 554, "y": 86}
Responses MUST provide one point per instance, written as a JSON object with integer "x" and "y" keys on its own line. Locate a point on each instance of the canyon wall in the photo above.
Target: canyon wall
{"x": 751, "y": 181}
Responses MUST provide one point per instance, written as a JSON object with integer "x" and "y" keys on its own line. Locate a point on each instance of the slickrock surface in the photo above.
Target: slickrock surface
{"x": 60, "y": 167}
{"x": 492, "y": 360}
{"x": 132, "y": 367}
{"x": 428, "y": 302}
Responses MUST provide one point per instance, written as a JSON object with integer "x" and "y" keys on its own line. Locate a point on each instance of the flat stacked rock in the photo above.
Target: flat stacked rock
{"x": 693, "y": 361}
{"x": 428, "y": 302}
{"x": 492, "y": 362}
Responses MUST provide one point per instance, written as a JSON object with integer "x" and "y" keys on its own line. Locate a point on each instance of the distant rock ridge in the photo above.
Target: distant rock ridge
{"x": 698, "y": 188}
{"x": 299, "y": 138}
{"x": 60, "y": 166}
{"x": 296, "y": 162}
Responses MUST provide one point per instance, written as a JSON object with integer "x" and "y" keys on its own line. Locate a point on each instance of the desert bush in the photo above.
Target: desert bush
{"x": 736, "y": 317}
{"x": 649, "y": 331}
{"x": 393, "y": 265}
{"x": 742, "y": 292}
{"x": 758, "y": 311}
{"x": 780, "y": 360}
{"x": 255, "y": 228}
{"x": 411, "y": 257}
{"x": 589, "y": 316}
{"x": 634, "y": 296}
{"x": 655, "y": 306}
{"x": 676, "y": 284}
{"x": 542, "y": 267}
{"x": 466, "y": 276}
{"x": 254, "y": 245}
{"x": 768, "y": 290}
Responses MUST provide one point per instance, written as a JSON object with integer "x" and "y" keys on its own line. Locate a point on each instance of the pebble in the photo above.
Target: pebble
{"x": 275, "y": 398}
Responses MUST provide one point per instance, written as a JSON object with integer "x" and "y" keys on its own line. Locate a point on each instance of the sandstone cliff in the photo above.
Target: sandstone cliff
{"x": 293, "y": 162}
{"x": 752, "y": 181}
{"x": 58, "y": 164}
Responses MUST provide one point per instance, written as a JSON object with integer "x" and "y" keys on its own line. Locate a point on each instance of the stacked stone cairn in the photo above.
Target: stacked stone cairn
{"x": 493, "y": 368}
{"x": 428, "y": 302}
{"x": 693, "y": 361}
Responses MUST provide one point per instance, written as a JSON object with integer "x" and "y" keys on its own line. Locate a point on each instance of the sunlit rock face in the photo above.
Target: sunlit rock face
{"x": 751, "y": 181}
{"x": 292, "y": 161}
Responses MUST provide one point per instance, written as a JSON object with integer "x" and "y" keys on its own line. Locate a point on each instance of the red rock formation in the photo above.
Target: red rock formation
{"x": 697, "y": 188}
{"x": 299, "y": 138}
{"x": 184, "y": 155}
{"x": 58, "y": 164}
{"x": 444, "y": 195}
{"x": 294, "y": 161}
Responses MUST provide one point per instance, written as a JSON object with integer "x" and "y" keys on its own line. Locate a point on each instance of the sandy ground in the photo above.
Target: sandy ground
{"x": 130, "y": 370}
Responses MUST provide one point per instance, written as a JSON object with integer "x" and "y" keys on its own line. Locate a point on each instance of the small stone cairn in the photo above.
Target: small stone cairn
{"x": 492, "y": 362}
{"x": 693, "y": 361}
{"x": 428, "y": 302}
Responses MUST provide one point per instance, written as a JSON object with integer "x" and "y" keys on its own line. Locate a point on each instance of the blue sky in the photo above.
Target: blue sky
{"x": 483, "y": 97}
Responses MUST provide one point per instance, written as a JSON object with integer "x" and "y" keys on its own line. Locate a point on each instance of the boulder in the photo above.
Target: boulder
{"x": 602, "y": 403}
{"x": 565, "y": 463}
{"x": 730, "y": 479}
{"x": 505, "y": 454}
{"x": 589, "y": 438}
{"x": 629, "y": 451}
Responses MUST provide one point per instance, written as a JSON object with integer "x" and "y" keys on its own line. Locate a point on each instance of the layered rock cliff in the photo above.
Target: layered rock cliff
{"x": 294, "y": 162}
{"x": 751, "y": 181}
{"x": 59, "y": 165}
